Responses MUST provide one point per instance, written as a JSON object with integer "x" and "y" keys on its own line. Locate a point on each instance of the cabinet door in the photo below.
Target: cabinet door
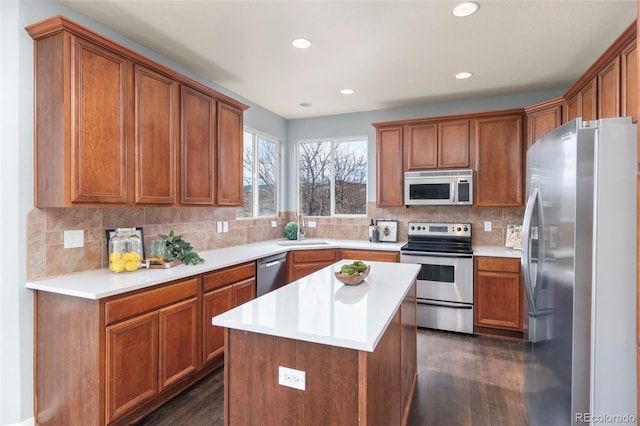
{"x": 198, "y": 133}
{"x": 421, "y": 147}
{"x": 609, "y": 90}
{"x": 230, "y": 190}
{"x": 589, "y": 101}
{"x": 629, "y": 82}
{"x": 178, "y": 349}
{"x": 499, "y": 181}
{"x": 498, "y": 301}
{"x": 541, "y": 121}
{"x": 156, "y": 114}
{"x": 244, "y": 291}
{"x": 453, "y": 144}
{"x": 100, "y": 117}
{"x": 389, "y": 167}
{"x": 301, "y": 270}
{"x": 572, "y": 109}
{"x": 131, "y": 364}
{"x": 214, "y": 303}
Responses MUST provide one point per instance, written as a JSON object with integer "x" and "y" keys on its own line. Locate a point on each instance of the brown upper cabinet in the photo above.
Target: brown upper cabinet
{"x": 543, "y": 118}
{"x": 583, "y": 103}
{"x": 157, "y": 111}
{"x": 629, "y": 81}
{"x": 609, "y": 88}
{"x": 389, "y": 168}
{"x": 437, "y": 145}
{"x": 198, "y": 147}
{"x": 499, "y": 160}
{"x": 108, "y": 127}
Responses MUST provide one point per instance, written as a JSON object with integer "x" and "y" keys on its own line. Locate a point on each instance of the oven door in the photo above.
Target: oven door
{"x": 429, "y": 191}
{"x": 443, "y": 277}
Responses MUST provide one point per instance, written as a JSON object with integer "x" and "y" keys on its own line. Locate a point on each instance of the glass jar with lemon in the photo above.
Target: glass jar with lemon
{"x": 125, "y": 250}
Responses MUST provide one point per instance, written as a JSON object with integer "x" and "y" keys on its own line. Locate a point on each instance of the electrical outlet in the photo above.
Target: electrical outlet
{"x": 274, "y": 223}
{"x": 225, "y": 226}
{"x": 219, "y": 227}
{"x": 312, "y": 223}
{"x": 291, "y": 378}
{"x": 487, "y": 226}
{"x": 73, "y": 239}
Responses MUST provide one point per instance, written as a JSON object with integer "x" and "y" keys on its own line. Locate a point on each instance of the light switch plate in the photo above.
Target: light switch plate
{"x": 487, "y": 226}
{"x": 312, "y": 224}
{"x": 73, "y": 239}
{"x": 225, "y": 226}
{"x": 274, "y": 223}
{"x": 219, "y": 227}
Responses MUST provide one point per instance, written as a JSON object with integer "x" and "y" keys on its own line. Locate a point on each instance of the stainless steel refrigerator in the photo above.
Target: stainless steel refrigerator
{"x": 579, "y": 274}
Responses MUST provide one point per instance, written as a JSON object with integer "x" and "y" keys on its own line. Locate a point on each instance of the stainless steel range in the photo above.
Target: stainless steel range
{"x": 445, "y": 281}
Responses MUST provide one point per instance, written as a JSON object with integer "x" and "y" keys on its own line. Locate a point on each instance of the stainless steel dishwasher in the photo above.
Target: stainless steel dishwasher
{"x": 272, "y": 273}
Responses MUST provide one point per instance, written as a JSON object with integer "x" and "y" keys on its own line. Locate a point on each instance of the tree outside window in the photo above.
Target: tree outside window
{"x": 332, "y": 177}
{"x": 260, "y": 176}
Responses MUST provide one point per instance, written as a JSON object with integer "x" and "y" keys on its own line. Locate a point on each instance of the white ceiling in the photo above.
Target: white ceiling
{"x": 392, "y": 53}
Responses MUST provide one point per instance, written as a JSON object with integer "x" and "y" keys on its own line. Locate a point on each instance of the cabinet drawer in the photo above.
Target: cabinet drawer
{"x": 229, "y": 275}
{"x": 498, "y": 264}
{"x": 314, "y": 255}
{"x": 128, "y": 306}
{"x": 375, "y": 255}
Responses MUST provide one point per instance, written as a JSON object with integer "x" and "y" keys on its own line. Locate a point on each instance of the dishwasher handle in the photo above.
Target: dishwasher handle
{"x": 269, "y": 264}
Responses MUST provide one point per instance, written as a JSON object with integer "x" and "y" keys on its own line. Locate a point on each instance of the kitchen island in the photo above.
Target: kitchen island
{"x": 351, "y": 351}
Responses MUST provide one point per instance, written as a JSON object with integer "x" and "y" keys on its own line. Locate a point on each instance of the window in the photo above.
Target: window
{"x": 260, "y": 176}
{"x": 332, "y": 177}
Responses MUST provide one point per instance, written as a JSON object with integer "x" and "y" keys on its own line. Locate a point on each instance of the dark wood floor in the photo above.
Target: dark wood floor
{"x": 462, "y": 380}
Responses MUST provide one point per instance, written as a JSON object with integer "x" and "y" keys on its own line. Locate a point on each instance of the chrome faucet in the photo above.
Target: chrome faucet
{"x": 300, "y": 227}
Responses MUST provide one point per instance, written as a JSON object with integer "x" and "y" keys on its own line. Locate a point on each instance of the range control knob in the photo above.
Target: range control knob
{"x": 459, "y": 229}
{"x": 413, "y": 227}
{"x": 466, "y": 229}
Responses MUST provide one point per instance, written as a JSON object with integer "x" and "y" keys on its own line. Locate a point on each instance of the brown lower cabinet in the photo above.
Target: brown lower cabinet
{"x": 499, "y": 297}
{"x": 113, "y": 360}
{"x": 304, "y": 262}
{"x": 223, "y": 290}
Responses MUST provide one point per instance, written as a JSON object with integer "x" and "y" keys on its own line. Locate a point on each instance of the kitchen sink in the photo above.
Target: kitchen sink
{"x": 301, "y": 242}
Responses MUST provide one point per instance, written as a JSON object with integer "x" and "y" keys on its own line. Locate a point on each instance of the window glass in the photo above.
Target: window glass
{"x": 260, "y": 176}
{"x": 332, "y": 177}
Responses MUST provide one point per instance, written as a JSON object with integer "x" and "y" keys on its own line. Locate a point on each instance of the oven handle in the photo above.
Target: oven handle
{"x": 444, "y": 304}
{"x": 427, "y": 254}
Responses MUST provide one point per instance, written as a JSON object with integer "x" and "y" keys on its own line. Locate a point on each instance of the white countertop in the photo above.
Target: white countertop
{"x": 496, "y": 251}
{"x": 101, "y": 283}
{"x": 320, "y": 309}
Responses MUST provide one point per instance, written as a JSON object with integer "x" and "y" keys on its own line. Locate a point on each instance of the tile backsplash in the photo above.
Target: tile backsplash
{"x": 47, "y": 257}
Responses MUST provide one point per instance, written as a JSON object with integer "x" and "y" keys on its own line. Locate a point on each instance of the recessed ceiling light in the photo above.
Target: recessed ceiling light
{"x": 463, "y": 75}
{"x": 347, "y": 91}
{"x": 465, "y": 9}
{"x": 305, "y": 104}
{"x": 301, "y": 43}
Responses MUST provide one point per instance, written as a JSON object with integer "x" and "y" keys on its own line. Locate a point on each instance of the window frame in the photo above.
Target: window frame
{"x": 333, "y": 141}
{"x": 255, "y": 193}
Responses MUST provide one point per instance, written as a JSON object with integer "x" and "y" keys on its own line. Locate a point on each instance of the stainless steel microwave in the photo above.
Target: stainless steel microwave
{"x": 438, "y": 187}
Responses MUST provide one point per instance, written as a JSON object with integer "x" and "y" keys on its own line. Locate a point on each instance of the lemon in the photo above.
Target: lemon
{"x": 125, "y": 257}
{"x": 134, "y": 256}
{"x": 112, "y": 266}
{"x": 131, "y": 266}
{"x": 119, "y": 265}
{"x": 114, "y": 256}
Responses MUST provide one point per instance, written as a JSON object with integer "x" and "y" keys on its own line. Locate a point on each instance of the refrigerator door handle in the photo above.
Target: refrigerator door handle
{"x": 526, "y": 255}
